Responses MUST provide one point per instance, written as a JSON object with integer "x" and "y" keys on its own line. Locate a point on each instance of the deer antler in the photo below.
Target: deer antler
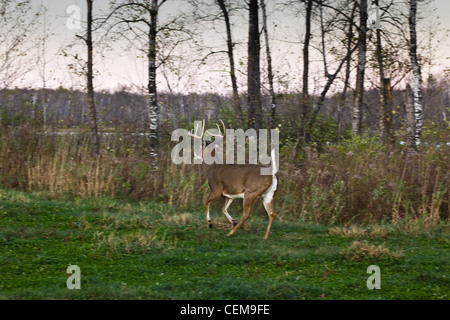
{"x": 220, "y": 135}
{"x": 194, "y": 135}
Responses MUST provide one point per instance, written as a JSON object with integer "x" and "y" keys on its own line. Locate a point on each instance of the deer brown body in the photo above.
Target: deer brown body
{"x": 234, "y": 181}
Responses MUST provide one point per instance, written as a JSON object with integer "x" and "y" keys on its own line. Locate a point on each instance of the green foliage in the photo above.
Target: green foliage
{"x": 324, "y": 130}
{"x": 151, "y": 250}
{"x": 361, "y": 145}
{"x": 435, "y": 134}
{"x": 228, "y": 115}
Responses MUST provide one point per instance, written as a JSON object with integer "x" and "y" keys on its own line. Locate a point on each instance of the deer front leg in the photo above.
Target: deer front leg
{"x": 208, "y": 218}
{"x": 247, "y": 206}
{"x": 212, "y": 196}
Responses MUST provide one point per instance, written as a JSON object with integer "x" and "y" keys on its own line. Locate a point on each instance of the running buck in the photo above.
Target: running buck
{"x": 236, "y": 181}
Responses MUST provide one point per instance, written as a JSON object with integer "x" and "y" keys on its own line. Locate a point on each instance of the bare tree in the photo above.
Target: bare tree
{"x": 273, "y": 104}
{"x": 325, "y": 28}
{"x": 145, "y": 13}
{"x": 254, "y": 80}
{"x": 202, "y": 13}
{"x": 305, "y": 85}
{"x": 349, "y": 22}
{"x": 18, "y": 21}
{"x": 362, "y": 48}
{"x": 385, "y": 112}
{"x": 417, "y": 90}
{"x": 230, "y": 51}
{"x": 90, "y": 77}
{"x": 42, "y": 66}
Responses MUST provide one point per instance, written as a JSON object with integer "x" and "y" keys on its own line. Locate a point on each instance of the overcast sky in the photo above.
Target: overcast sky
{"x": 123, "y": 68}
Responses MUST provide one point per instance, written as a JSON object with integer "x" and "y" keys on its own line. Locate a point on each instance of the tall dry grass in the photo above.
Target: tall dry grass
{"x": 362, "y": 181}
{"x": 357, "y": 181}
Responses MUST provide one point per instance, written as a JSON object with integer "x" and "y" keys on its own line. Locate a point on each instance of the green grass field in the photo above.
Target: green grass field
{"x": 148, "y": 250}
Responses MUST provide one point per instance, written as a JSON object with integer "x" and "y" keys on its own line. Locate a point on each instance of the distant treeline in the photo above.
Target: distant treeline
{"x": 64, "y": 108}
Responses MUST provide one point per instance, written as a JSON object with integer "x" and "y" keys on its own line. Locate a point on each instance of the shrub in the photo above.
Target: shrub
{"x": 356, "y": 181}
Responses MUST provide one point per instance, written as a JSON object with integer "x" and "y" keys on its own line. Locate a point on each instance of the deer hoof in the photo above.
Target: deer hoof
{"x": 210, "y": 224}
{"x": 234, "y": 223}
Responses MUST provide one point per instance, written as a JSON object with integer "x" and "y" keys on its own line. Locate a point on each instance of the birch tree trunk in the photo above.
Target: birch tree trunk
{"x": 360, "y": 72}
{"x": 384, "y": 124}
{"x": 417, "y": 90}
{"x": 146, "y": 12}
{"x": 410, "y": 120}
{"x": 152, "y": 104}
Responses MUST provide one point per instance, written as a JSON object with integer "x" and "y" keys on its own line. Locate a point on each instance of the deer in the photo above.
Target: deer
{"x": 238, "y": 181}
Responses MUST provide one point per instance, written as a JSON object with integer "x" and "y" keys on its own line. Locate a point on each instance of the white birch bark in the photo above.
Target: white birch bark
{"x": 417, "y": 90}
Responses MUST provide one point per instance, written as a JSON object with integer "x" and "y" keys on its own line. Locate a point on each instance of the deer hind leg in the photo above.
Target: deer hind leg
{"x": 269, "y": 208}
{"x": 268, "y": 203}
{"x": 228, "y": 202}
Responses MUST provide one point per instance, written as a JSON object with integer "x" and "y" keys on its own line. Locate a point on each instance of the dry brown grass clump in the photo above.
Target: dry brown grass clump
{"x": 361, "y": 250}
